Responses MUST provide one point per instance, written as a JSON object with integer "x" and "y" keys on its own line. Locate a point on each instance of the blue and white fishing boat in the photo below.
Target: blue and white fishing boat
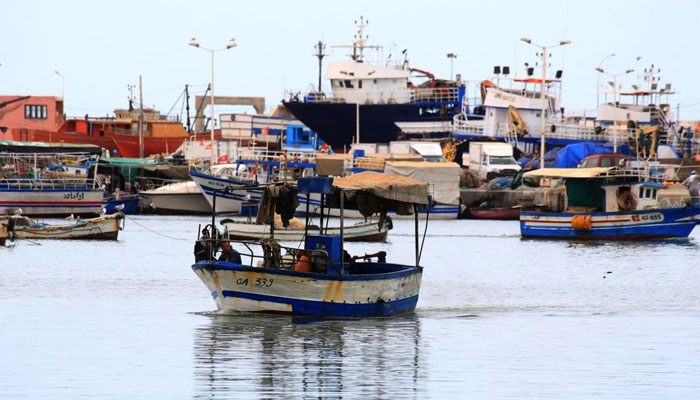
{"x": 322, "y": 279}
{"x": 32, "y": 187}
{"x": 233, "y": 181}
{"x": 606, "y": 203}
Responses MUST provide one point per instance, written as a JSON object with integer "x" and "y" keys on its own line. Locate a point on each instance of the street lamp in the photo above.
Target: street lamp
{"x": 231, "y": 44}
{"x": 63, "y": 84}
{"x": 452, "y": 57}
{"x": 614, "y": 85}
{"x": 542, "y": 89}
{"x": 600, "y": 65}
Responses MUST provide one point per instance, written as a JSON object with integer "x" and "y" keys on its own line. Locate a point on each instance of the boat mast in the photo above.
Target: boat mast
{"x": 320, "y": 47}
{"x": 140, "y": 118}
{"x": 187, "y": 107}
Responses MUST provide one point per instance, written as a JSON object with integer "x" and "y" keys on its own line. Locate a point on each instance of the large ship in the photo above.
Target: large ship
{"x": 377, "y": 103}
{"x": 638, "y": 120}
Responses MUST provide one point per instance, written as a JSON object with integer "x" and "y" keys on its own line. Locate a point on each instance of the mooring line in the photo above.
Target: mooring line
{"x": 156, "y": 232}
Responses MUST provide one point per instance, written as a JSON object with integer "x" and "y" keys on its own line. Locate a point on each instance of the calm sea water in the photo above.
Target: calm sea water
{"x": 498, "y": 317}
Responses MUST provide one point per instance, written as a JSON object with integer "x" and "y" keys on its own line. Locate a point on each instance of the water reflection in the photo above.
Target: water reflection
{"x": 238, "y": 356}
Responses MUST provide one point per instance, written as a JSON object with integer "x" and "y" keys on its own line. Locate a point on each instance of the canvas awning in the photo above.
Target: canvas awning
{"x": 386, "y": 186}
{"x": 443, "y": 176}
{"x": 568, "y": 172}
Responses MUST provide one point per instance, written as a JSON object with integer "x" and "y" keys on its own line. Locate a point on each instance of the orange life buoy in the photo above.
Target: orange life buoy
{"x": 303, "y": 264}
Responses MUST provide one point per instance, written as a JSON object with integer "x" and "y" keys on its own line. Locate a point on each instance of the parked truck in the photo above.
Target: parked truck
{"x": 492, "y": 159}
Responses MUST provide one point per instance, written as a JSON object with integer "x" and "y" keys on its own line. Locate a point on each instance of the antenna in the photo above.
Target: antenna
{"x": 320, "y": 53}
{"x": 359, "y": 41}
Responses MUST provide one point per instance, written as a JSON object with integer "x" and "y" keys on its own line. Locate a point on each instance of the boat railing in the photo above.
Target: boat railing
{"x": 261, "y": 154}
{"x": 33, "y": 184}
{"x": 412, "y": 96}
{"x": 678, "y": 202}
{"x": 462, "y": 125}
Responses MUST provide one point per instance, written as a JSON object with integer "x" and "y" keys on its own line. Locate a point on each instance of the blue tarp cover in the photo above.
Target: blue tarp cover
{"x": 568, "y": 156}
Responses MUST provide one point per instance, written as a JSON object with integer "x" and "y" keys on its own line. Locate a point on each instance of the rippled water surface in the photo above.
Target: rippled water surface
{"x": 498, "y": 317}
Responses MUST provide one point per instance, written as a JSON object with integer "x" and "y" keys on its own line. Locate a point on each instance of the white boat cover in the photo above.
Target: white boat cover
{"x": 442, "y": 176}
{"x": 386, "y": 186}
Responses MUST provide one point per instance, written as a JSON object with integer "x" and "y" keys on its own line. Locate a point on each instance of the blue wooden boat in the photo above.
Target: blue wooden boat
{"x": 605, "y": 203}
{"x": 322, "y": 279}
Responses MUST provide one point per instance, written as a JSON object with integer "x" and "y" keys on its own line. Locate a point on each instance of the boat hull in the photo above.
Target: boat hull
{"x": 227, "y": 201}
{"x": 179, "y": 203}
{"x": 634, "y": 225}
{"x": 335, "y": 122}
{"x": 504, "y": 214}
{"x": 390, "y": 290}
{"x": 129, "y": 204}
{"x": 48, "y": 202}
{"x": 361, "y": 232}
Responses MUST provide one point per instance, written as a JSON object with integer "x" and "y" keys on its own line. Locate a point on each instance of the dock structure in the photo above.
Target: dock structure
{"x": 201, "y": 102}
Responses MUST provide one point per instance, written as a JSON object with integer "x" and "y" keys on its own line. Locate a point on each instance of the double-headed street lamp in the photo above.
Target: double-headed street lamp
{"x": 600, "y": 66}
{"x": 231, "y": 44}
{"x": 542, "y": 89}
{"x": 614, "y": 85}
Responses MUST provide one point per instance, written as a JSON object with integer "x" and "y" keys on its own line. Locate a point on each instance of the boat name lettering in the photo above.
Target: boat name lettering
{"x": 241, "y": 281}
{"x": 74, "y": 196}
{"x": 263, "y": 282}
{"x": 504, "y": 97}
{"x": 652, "y": 217}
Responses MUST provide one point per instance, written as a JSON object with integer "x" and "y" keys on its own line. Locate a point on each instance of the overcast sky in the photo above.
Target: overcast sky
{"x": 102, "y": 47}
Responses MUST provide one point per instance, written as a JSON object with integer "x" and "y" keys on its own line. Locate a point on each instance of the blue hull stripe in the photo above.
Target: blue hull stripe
{"x": 321, "y": 308}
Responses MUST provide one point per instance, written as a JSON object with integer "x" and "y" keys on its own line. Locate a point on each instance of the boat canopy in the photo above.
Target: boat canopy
{"x": 569, "y": 172}
{"x": 386, "y": 186}
{"x": 443, "y": 176}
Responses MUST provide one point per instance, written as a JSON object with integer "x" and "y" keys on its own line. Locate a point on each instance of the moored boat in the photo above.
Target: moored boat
{"x": 322, "y": 279}
{"x": 101, "y": 228}
{"x": 606, "y": 203}
{"x": 178, "y": 198}
{"x": 30, "y": 186}
{"x": 359, "y": 232}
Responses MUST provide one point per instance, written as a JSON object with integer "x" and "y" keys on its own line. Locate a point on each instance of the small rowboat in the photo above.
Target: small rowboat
{"x": 101, "y": 228}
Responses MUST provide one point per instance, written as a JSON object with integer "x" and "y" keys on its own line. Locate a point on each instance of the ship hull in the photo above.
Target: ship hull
{"x": 335, "y": 123}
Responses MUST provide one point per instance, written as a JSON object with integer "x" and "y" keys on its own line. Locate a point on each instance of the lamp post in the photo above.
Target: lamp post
{"x": 542, "y": 90}
{"x": 600, "y": 66}
{"x": 452, "y": 57}
{"x": 63, "y": 84}
{"x": 614, "y": 85}
{"x": 231, "y": 44}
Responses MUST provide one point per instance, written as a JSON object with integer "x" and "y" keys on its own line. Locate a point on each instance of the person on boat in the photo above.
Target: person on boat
{"x": 691, "y": 182}
{"x": 229, "y": 254}
{"x": 202, "y": 248}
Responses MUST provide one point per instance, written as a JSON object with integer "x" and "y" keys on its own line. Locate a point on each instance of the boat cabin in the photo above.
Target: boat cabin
{"x": 601, "y": 189}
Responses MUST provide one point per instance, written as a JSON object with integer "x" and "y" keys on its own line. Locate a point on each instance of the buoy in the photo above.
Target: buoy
{"x": 303, "y": 264}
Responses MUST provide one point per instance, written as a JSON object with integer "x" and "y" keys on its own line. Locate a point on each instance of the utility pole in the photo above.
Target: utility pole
{"x": 187, "y": 107}
{"x": 140, "y": 118}
{"x": 320, "y": 47}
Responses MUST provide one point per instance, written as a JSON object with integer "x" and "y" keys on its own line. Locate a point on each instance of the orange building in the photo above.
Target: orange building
{"x": 30, "y": 112}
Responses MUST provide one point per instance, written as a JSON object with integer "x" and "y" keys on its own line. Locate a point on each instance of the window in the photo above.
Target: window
{"x": 337, "y": 83}
{"x": 35, "y": 111}
{"x": 348, "y": 84}
{"x": 605, "y": 162}
{"x": 359, "y": 84}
